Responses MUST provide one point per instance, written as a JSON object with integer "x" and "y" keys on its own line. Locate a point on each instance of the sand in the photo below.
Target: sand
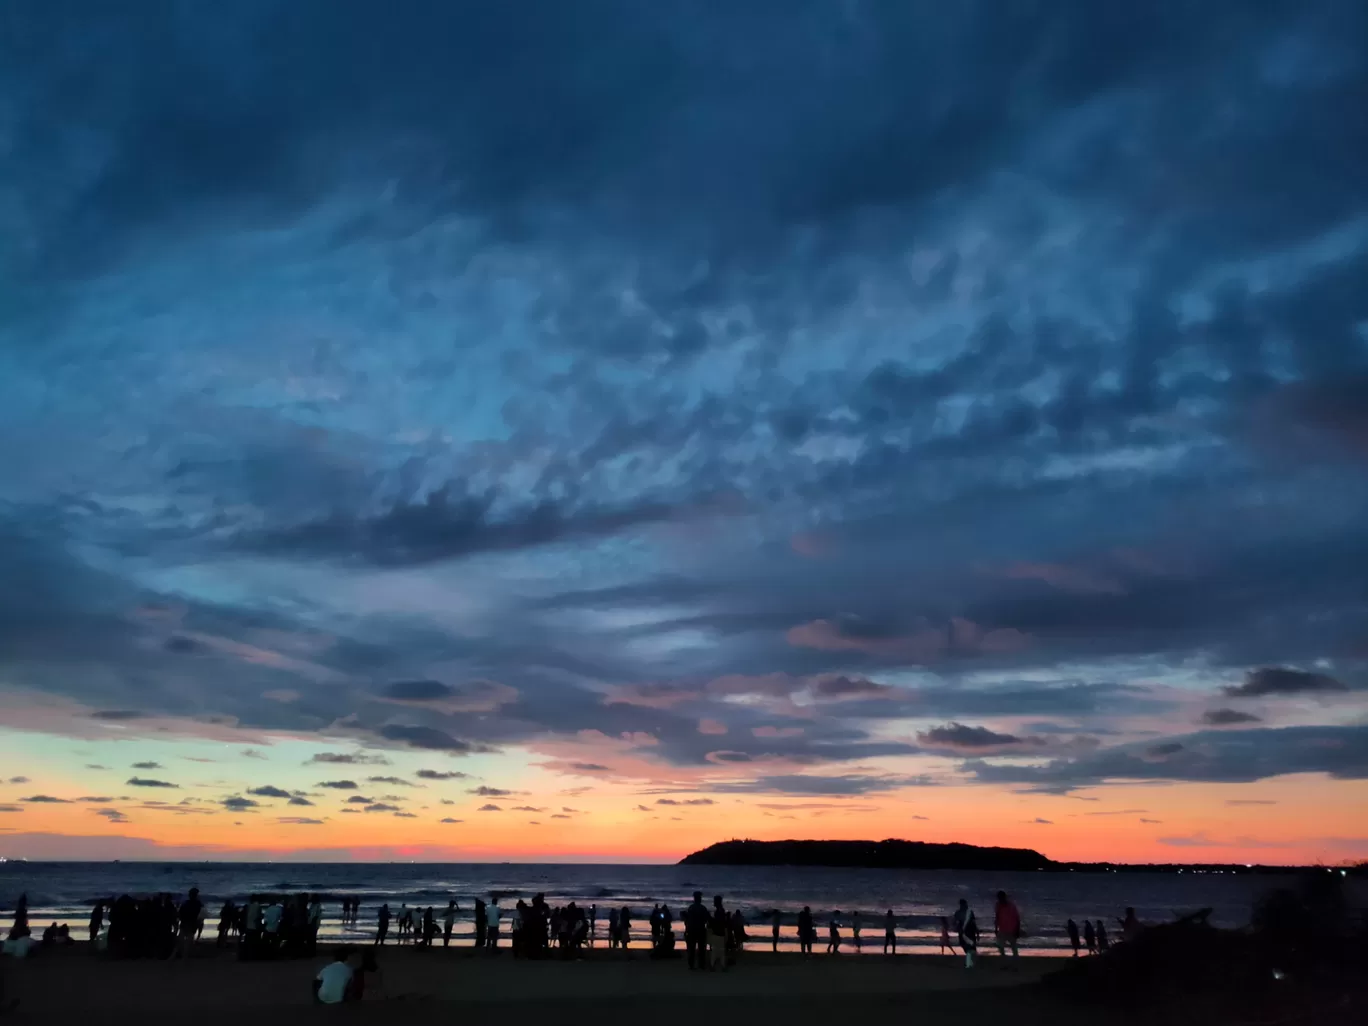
{"x": 430, "y": 986}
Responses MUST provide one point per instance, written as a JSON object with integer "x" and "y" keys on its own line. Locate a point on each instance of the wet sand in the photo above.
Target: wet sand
{"x": 430, "y": 986}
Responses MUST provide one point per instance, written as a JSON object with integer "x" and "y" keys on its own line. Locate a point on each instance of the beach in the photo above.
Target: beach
{"x": 69, "y": 984}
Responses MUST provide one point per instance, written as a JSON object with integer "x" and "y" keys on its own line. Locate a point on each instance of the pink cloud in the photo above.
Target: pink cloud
{"x": 711, "y": 727}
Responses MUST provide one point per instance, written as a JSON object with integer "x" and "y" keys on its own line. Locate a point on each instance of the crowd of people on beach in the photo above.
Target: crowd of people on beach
{"x": 714, "y": 937}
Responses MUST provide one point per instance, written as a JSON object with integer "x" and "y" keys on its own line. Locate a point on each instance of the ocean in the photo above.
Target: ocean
{"x": 66, "y": 891}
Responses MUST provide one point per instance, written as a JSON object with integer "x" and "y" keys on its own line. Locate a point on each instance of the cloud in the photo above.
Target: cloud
{"x": 448, "y": 819}
{"x": 428, "y": 738}
{"x": 44, "y": 799}
{"x": 686, "y": 801}
{"x": 338, "y": 785}
{"x": 298, "y": 821}
{"x": 11, "y": 808}
{"x": 381, "y": 807}
{"x": 489, "y": 808}
{"x": 299, "y": 800}
{"x": 1228, "y": 718}
{"x": 237, "y": 803}
{"x": 148, "y": 782}
{"x": 268, "y": 791}
{"x": 527, "y": 808}
{"x": 18, "y": 780}
{"x": 396, "y": 781}
{"x": 147, "y": 765}
{"x": 407, "y": 815}
{"x": 958, "y": 737}
{"x": 1250, "y": 801}
{"x": 95, "y": 799}
{"x": 113, "y": 815}
{"x": 349, "y": 759}
{"x": 485, "y": 791}
{"x": 116, "y": 715}
{"x": 358, "y": 799}
{"x": 711, "y": 727}
{"x": 1043, "y": 822}
{"x": 1278, "y": 680}
{"x": 427, "y": 774}
{"x": 417, "y": 690}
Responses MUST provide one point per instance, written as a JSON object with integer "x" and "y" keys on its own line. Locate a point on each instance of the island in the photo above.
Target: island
{"x": 889, "y": 854}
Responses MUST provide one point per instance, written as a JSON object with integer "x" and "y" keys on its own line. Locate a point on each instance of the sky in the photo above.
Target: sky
{"x": 588, "y": 431}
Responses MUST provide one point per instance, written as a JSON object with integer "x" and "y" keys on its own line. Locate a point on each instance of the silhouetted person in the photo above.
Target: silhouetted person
{"x": 1006, "y": 925}
{"x": 96, "y": 921}
{"x": 1089, "y": 936}
{"x": 481, "y": 923}
{"x": 1102, "y": 943}
{"x": 227, "y": 917}
{"x": 189, "y": 923}
{"x": 890, "y": 934}
{"x": 774, "y": 931}
{"x": 967, "y": 928}
{"x": 807, "y": 933}
{"x": 834, "y": 933}
{"x": 1130, "y": 926}
{"x": 492, "y": 915}
{"x": 946, "y": 943}
{"x": 448, "y": 922}
{"x": 593, "y": 924}
{"x": 382, "y": 928}
{"x": 1072, "y": 929}
{"x": 718, "y": 928}
{"x": 855, "y": 926}
{"x": 624, "y": 927}
{"x": 696, "y": 932}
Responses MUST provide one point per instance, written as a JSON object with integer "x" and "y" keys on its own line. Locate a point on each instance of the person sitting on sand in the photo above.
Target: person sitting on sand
{"x": 945, "y": 942}
{"x": 967, "y": 928}
{"x": 20, "y": 943}
{"x": 333, "y": 981}
{"x": 1071, "y": 928}
{"x": 834, "y": 933}
{"x": 1006, "y": 925}
{"x": 890, "y": 933}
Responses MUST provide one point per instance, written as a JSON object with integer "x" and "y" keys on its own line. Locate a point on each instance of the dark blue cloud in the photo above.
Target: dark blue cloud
{"x": 930, "y": 367}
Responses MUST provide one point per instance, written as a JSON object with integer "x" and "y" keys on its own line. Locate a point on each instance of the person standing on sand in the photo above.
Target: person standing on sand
{"x": 1072, "y": 929}
{"x": 189, "y": 920}
{"x": 696, "y": 932}
{"x": 481, "y": 923}
{"x": 968, "y": 932}
{"x": 96, "y": 920}
{"x": 717, "y": 936}
{"x": 492, "y": 914}
{"x": 774, "y": 931}
{"x": 945, "y": 942}
{"x": 448, "y": 922}
{"x": 1007, "y": 925}
{"x": 383, "y": 930}
{"x": 1089, "y": 937}
{"x": 1130, "y": 926}
{"x": 834, "y": 933}
{"x": 890, "y": 933}
{"x": 624, "y": 927}
{"x": 1102, "y": 943}
{"x": 806, "y": 931}
{"x": 855, "y": 925}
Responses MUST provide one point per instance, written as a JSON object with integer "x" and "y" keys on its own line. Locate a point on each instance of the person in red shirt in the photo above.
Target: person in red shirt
{"x": 1007, "y": 924}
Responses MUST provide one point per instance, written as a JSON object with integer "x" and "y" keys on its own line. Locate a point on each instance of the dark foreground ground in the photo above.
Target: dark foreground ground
{"x": 420, "y": 987}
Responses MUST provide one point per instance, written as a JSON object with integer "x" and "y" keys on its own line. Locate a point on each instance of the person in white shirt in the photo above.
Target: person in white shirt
{"x": 493, "y": 915}
{"x": 330, "y": 985}
{"x": 20, "y": 943}
{"x": 271, "y": 923}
